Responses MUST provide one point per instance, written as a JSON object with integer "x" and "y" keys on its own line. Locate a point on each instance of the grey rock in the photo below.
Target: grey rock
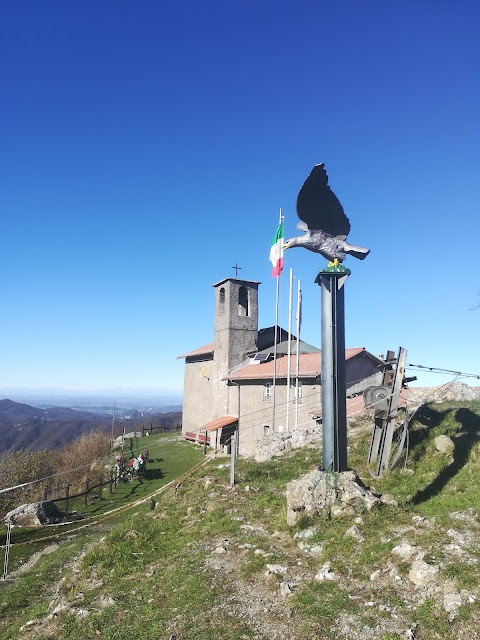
{"x": 452, "y": 602}
{"x": 462, "y": 539}
{"x": 329, "y": 494}
{"x": 220, "y": 549}
{"x": 422, "y": 573}
{"x": 276, "y": 569}
{"x": 35, "y": 514}
{"x": 254, "y": 528}
{"x": 311, "y": 549}
{"x": 304, "y": 534}
{"x": 286, "y": 589}
{"x": 405, "y": 551}
{"x": 354, "y": 532}
{"x": 469, "y": 515}
{"x": 324, "y": 574}
{"x": 106, "y": 601}
{"x": 444, "y": 444}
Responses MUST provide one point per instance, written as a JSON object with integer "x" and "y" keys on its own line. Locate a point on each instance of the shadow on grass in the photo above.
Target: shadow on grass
{"x": 153, "y": 474}
{"x": 429, "y": 418}
{"x": 468, "y": 436}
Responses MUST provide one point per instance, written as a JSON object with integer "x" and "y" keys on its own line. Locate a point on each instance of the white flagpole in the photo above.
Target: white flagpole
{"x": 277, "y": 298}
{"x": 299, "y": 315}
{"x": 289, "y": 356}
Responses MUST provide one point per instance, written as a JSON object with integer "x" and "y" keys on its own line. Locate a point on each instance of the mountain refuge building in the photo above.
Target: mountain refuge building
{"x": 229, "y": 384}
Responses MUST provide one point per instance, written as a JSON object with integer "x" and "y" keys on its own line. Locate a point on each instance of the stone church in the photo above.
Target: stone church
{"x": 229, "y": 383}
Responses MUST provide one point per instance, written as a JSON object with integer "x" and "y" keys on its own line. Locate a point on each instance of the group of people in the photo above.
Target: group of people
{"x": 136, "y": 465}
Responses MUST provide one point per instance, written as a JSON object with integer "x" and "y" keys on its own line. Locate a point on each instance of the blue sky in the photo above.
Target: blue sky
{"x": 146, "y": 147}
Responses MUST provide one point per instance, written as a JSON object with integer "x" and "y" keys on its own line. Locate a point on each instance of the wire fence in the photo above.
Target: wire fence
{"x": 251, "y": 429}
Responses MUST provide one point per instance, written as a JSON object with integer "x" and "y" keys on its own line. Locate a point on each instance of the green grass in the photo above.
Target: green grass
{"x": 156, "y": 565}
{"x": 168, "y": 460}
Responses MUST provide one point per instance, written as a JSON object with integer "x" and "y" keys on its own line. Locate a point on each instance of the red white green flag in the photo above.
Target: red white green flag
{"x": 276, "y": 252}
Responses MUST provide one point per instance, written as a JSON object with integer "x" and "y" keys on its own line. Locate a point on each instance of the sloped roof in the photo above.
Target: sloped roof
{"x": 282, "y": 347}
{"x": 223, "y": 421}
{"x": 310, "y": 366}
{"x": 208, "y": 348}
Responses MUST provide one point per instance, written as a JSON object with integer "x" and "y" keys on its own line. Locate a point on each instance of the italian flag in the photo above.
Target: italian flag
{"x": 276, "y": 252}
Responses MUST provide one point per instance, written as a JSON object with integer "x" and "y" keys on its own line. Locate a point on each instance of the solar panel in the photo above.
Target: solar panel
{"x": 261, "y": 357}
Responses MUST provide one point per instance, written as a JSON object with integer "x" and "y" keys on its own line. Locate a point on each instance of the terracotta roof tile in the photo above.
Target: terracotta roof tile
{"x": 208, "y": 348}
{"x": 310, "y": 366}
{"x": 223, "y": 421}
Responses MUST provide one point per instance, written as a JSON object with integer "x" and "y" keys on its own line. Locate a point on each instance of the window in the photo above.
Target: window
{"x": 243, "y": 309}
{"x": 267, "y": 391}
{"x": 266, "y": 430}
{"x": 221, "y": 300}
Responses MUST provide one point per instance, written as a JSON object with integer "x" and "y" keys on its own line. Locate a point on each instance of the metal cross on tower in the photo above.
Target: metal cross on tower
{"x": 236, "y": 267}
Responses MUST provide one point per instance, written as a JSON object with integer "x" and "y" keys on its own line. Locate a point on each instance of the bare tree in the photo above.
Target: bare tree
{"x": 477, "y": 303}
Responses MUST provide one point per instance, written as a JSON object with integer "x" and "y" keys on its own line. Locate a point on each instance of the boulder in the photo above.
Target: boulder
{"x": 444, "y": 444}
{"x": 422, "y": 573}
{"x": 330, "y": 494}
{"x": 35, "y": 514}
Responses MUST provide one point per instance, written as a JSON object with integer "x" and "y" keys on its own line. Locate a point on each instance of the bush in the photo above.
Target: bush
{"x": 20, "y": 467}
{"x": 81, "y": 457}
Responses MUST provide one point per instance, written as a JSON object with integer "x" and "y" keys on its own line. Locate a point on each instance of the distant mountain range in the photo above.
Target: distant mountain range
{"x": 23, "y": 426}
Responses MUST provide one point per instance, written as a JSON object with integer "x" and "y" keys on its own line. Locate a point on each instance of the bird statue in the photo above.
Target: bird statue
{"x": 322, "y": 218}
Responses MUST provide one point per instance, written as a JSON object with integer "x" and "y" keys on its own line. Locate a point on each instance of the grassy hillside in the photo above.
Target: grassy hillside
{"x": 212, "y": 561}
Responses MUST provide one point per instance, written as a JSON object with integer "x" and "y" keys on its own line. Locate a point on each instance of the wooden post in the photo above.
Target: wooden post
{"x": 110, "y": 484}
{"x": 45, "y": 493}
{"x": 233, "y": 447}
{"x": 67, "y": 493}
{"x": 100, "y": 489}
{"x": 87, "y": 487}
{"x": 205, "y": 444}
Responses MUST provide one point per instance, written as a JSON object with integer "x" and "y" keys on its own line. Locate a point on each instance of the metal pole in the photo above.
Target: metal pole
{"x": 327, "y": 375}
{"x": 277, "y": 298}
{"x": 299, "y": 321}
{"x": 289, "y": 356}
{"x": 233, "y": 446}
{"x": 334, "y": 412}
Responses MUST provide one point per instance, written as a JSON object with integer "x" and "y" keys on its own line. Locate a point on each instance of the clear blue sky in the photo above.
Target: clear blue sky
{"x": 146, "y": 147}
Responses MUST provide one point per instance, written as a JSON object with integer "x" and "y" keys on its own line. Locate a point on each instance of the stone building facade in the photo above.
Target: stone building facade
{"x": 229, "y": 384}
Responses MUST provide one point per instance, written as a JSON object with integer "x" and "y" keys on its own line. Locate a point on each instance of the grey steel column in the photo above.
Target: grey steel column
{"x": 334, "y": 409}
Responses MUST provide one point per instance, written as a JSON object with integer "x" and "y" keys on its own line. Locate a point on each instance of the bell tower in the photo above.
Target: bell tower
{"x": 236, "y": 322}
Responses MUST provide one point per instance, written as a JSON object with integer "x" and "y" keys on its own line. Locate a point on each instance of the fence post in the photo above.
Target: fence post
{"x": 233, "y": 448}
{"x": 67, "y": 493}
{"x": 45, "y": 492}
{"x": 100, "y": 489}
{"x": 110, "y": 484}
{"x": 87, "y": 487}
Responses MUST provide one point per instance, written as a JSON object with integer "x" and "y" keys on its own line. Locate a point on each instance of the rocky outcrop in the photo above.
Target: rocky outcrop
{"x": 35, "y": 514}
{"x": 331, "y": 494}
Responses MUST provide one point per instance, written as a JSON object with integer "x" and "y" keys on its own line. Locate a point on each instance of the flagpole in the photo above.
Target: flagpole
{"x": 299, "y": 316}
{"x": 277, "y": 298}
{"x": 289, "y": 356}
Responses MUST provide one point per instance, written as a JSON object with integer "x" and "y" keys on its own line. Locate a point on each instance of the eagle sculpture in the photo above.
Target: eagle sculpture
{"x": 322, "y": 218}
